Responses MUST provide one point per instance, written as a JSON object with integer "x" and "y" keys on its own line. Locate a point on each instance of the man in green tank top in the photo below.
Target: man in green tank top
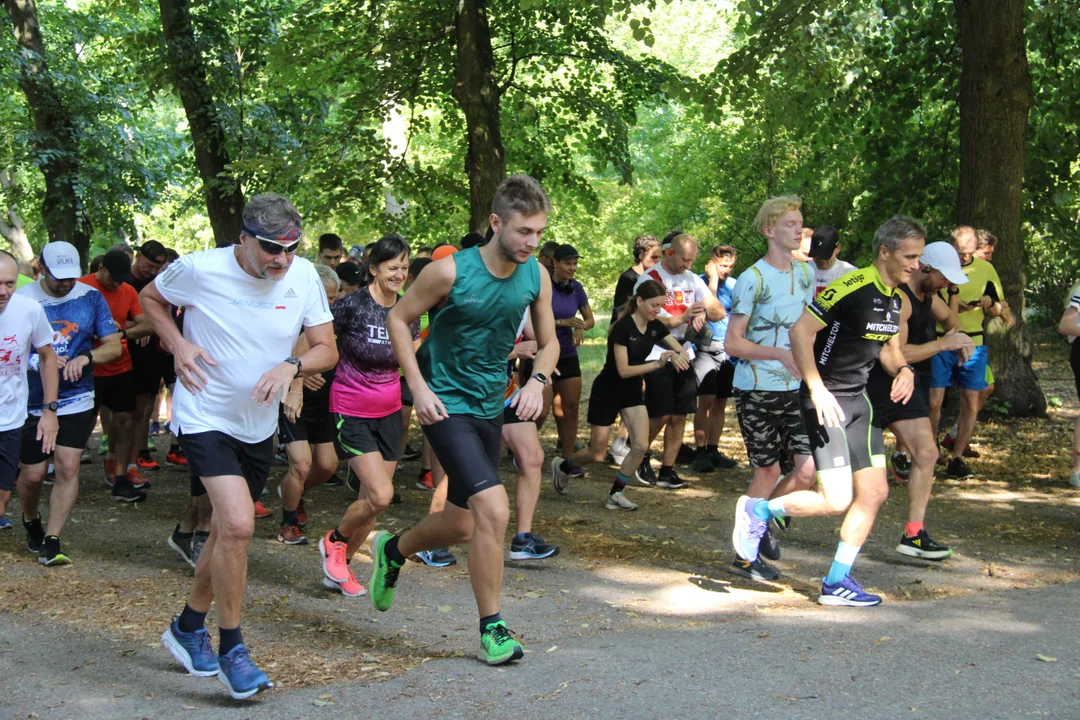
{"x": 458, "y": 379}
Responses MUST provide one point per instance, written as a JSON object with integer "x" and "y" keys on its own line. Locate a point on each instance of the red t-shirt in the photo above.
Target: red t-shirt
{"x": 124, "y": 304}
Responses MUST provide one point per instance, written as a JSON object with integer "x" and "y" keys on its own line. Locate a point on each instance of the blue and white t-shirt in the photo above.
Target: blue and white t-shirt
{"x": 773, "y": 301}
{"x": 77, "y": 319}
{"x": 725, "y": 293}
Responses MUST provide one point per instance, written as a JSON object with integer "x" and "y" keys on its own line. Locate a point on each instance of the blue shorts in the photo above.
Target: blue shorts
{"x": 969, "y": 376}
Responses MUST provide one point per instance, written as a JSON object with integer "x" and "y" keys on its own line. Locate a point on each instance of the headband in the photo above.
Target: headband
{"x": 255, "y": 230}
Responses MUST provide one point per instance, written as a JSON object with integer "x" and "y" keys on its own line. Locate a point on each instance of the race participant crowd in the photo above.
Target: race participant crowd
{"x": 480, "y": 342}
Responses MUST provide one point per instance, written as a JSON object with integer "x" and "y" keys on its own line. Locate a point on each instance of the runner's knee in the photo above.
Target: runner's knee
{"x": 926, "y": 455}
{"x": 234, "y": 526}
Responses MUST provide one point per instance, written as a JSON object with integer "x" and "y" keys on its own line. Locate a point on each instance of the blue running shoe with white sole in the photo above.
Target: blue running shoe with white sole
{"x": 847, "y": 593}
{"x": 749, "y": 528}
{"x": 531, "y": 547}
{"x": 5, "y": 524}
{"x": 240, "y": 674}
{"x": 436, "y": 558}
{"x": 192, "y": 650}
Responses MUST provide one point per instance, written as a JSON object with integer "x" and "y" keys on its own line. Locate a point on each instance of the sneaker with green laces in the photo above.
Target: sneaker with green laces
{"x": 498, "y": 646}
{"x": 384, "y": 573}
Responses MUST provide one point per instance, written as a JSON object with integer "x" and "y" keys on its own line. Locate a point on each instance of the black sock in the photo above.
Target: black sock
{"x": 701, "y": 450}
{"x": 190, "y": 621}
{"x": 230, "y": 638}
{"x": 174, "y": 448}
{"x": 178, "y": 533}
{"x": 335, "y": 536}
{"x": 424, "y": 471}
{"x": 645, "y": 459}
{"x": 667, "y": 469}
{"x": 485, "y": 621}
{"x": 620, "y": 483}
{"x": 290, "y": 517}
{"x": 566, "y": 466}
{"x": 712, "y": 448}
{"x": 392, "y": 553}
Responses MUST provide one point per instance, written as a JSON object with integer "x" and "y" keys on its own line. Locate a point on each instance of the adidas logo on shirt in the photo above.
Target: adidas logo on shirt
{"x": 290, "y": 294}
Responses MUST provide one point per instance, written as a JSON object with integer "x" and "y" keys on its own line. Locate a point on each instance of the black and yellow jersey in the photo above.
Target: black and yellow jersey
{"x": 860, "y": 314}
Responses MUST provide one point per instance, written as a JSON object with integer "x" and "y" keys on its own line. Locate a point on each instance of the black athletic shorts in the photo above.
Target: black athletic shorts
{"x": 313, "y": 426}
{"x": 360, "y": 436}
{"x": 468, "y": 448}
{"x": 510, "y": 416}
{"x": 213, "y": 454}
{"x": 406, "y": 393}
{"x": 568, "y": 369}
{"x": 772, "y": 426}
{"x": 886, "y": 412}
{"x": 75, "y": 430}
{"x": 1074, "y": 362}
{"x": 151, "y": 368}
{"x": 858, "y": 444}
{"x": 116, "y": 392}
{"x": 609, "y": 395}
{"x": 10, "y": 446}
{"x": 714, "y": 372}
{"x": 668, "y": 392}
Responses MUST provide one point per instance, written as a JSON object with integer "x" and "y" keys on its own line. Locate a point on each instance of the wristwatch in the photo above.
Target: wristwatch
{"x": 89, "y": 357}
{"x": 296, "y": 361}
{"x": 54, "y": 406}
{"x": 909, "y": 367}
{"x": 954, "y": 291}
{"x": 541, "y": 378}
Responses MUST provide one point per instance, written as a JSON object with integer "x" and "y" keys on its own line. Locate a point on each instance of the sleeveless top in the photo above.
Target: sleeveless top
{"x": 463, "y": 358}
{"x": 922, "y": 328}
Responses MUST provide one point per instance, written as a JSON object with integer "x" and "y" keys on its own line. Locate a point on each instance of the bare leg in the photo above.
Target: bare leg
{"x": 916, "y": 435}
{"x": 324, "y": 463}
{"x": 221, "y": 573}
{"x": 523, "y": 440}
{"x": 716, "y": 420}
{"x": 145, "y": 407}
{"x": 122, "y": 440}
{"x": 450, "y": 526}
{"x": 29, "y": 488}
{"x": 191, "y": 516}
{"x": 937, "y": 397}
{"x": 376, "y": 492}
{"x": 65, "y": 489}
{"x": 292, "y": 483}
{"x": 406, "y": 418}
{"x": 673, "y": 438}
{"x": 965, "y": 425}
{"x": 871, "y": 491}
{"x": 703, "y": 420}
{"x": 568, "y": 394}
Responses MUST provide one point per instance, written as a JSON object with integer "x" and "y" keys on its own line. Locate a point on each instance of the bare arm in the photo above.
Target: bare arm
{"x": 892, "y": 360}
{"x": 49, "y": 424}
{"x": 714, "y": 311}
{"x": 736, "y": 345}
{"x": 1068, "y": 326}
{"x": 140, "y": 327}
{"x": 529, "y": 402}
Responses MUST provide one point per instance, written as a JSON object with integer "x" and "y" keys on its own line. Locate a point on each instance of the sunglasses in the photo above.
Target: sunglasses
{"x": 275, "y": 248}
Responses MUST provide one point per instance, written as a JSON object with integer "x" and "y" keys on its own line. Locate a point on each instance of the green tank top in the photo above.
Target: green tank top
{"x": 463, "y": 358}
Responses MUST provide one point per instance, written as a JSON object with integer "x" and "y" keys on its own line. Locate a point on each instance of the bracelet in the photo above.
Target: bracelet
{"x": 908, "y": 367}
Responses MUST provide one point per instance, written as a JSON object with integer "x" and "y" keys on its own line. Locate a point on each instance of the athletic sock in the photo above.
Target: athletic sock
{"x": 520, "y": 537}
{"x": 485, "y": 621}
{"x": 190, "y": 620}
{"x": 620, "y": 483}
{"x": 335, "y": 536}
{"x": 842, "y": 562}
{"x": 761, "y": 510}
{"x": 566, "y": 466}
{"x": 290, "y": 517}
{"x": 174, "y": 448}
{"x": 120, "y": 479}
{"x": 392, "y": 553}
{"x": 912, "y": 529}
{"x": 776, "y": 508}
{"x": 712, "y": 448}
{"x": 666, "y": 470}
{"x": 230, "y": 638}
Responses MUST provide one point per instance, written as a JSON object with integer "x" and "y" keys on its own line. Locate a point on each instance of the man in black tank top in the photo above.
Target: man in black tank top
{"x": 921, "y": 310}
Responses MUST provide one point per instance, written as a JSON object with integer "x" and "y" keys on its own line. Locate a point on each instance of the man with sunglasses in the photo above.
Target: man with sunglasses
{"x": 79, "y": 316}
{"x": 922, "y": 309}
{"x": 244, "y": 305}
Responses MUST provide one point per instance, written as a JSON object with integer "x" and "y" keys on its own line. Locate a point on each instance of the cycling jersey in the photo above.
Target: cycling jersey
{"x": 860, "y": 315}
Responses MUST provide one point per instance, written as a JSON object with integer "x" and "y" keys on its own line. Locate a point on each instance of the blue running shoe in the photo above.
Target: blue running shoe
{"x": 848, "y": 593}
{"x": 5, "y": 524}
{"x": 436, "y": 558}
{"x": 192, "y": 650}
{"x": 531, "y": 547}
{"x": 749, "y": 529}
{"x": 241, "y": 675}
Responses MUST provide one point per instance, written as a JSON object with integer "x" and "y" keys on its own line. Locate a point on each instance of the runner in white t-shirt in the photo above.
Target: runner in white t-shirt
{"x": 243, "y": 309}
{"x": 23, "y": 325}
{"x": 825, "y": 251}
{"x": 670, "y": 394}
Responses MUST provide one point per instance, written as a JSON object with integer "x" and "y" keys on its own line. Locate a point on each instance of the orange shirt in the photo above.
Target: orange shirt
{"x": 124, "y": 304}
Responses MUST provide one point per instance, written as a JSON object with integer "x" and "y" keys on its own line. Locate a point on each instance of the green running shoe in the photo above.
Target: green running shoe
{"x": 103, "y": 446}
{"x": 384, "y": 573}
{"x": 497, "y": 645}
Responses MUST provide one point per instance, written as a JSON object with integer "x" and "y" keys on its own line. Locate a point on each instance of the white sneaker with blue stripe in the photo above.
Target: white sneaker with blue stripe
{"x": 846, "y": 593}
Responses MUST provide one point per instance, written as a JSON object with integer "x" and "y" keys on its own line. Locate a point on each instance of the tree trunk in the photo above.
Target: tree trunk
{"x": 478, "y": 94}
{"x": 56, "y": 142}
{"x": 995, "y": 96}
{"x": 11, "y": 225}
{"x": 224, "y": 197}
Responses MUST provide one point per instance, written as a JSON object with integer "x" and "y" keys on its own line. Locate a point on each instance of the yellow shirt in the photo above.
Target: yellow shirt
{"x": 979, "y": 273}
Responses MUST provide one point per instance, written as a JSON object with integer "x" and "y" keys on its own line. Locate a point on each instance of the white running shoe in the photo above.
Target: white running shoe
{"x": 620, "y": 448}
{"x": 618, "y": 501}
{"x": 558, "y": 478}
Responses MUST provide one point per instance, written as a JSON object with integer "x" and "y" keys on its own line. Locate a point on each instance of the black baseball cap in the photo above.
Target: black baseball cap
{"x": 153, "y": 250}
{"x": 823, "y": 243}
{"x": 472, "y": 240}
{"x": 349, "y": 273}
{"x": 118, "y": 264}
{"x": 565, "y": 252}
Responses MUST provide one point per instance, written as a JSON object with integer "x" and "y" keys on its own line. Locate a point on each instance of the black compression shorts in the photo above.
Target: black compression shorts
{"x": 468, "y": 448}
{"x": 857, "y": 444}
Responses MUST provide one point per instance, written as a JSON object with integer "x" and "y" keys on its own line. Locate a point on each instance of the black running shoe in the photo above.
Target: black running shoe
{"x": 671, "y": 481}
{"x": 645, "y": 474}
{"x": 50, "y": 552}
{"x": 757, "y": 570}
{"x": 923, "y": 546}
{"x": 783, "y": 522}
{"x": 770, "y": 546}
{"x": 410, "y": 453}
{"x": 721, "y": 461}
{"x": 958, "y": 470}
{"x": 124, "y": 491}
{"x": 181, "y": 543}
{"x": 334, "y": 481}
{"x": 35, "y": 534}
{"x": 686, "y": 455}
{"x": 531, "y": 547}
{"x": 901, "y": 465}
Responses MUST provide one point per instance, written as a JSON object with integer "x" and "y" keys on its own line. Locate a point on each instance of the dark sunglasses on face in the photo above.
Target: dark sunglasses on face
{"x": 273, "y": 248}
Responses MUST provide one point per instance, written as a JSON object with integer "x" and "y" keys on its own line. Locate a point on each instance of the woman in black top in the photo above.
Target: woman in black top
{"x": 617, "y": 389}
{"x": 646, "y": 254}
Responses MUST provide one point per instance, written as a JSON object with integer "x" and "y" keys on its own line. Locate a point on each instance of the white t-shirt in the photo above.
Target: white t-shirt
{"x": 247, "y": 326}
{"x": 1074, "y": 302}
{"x": 23, "y": 325}
{"x": 683, "y": 290}
{"x": 822, "y": 278}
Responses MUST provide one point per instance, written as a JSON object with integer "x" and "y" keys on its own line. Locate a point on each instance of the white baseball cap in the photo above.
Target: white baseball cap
{"x": 942, "y": 256}
{"x": 62, "y": 260}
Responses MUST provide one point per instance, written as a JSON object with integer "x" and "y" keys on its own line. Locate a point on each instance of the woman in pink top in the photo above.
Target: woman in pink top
{"x": 366, "y": 402}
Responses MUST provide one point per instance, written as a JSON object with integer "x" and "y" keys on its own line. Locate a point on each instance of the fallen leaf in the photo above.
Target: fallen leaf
{"x": 1046, "y": 658}
{"x": 531, "y": 594}
{"x": 553, "y": 648}
{"x": 878, "y": 642}
{"x": 445, "y": 608}
{"x": 322, "y": 703}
